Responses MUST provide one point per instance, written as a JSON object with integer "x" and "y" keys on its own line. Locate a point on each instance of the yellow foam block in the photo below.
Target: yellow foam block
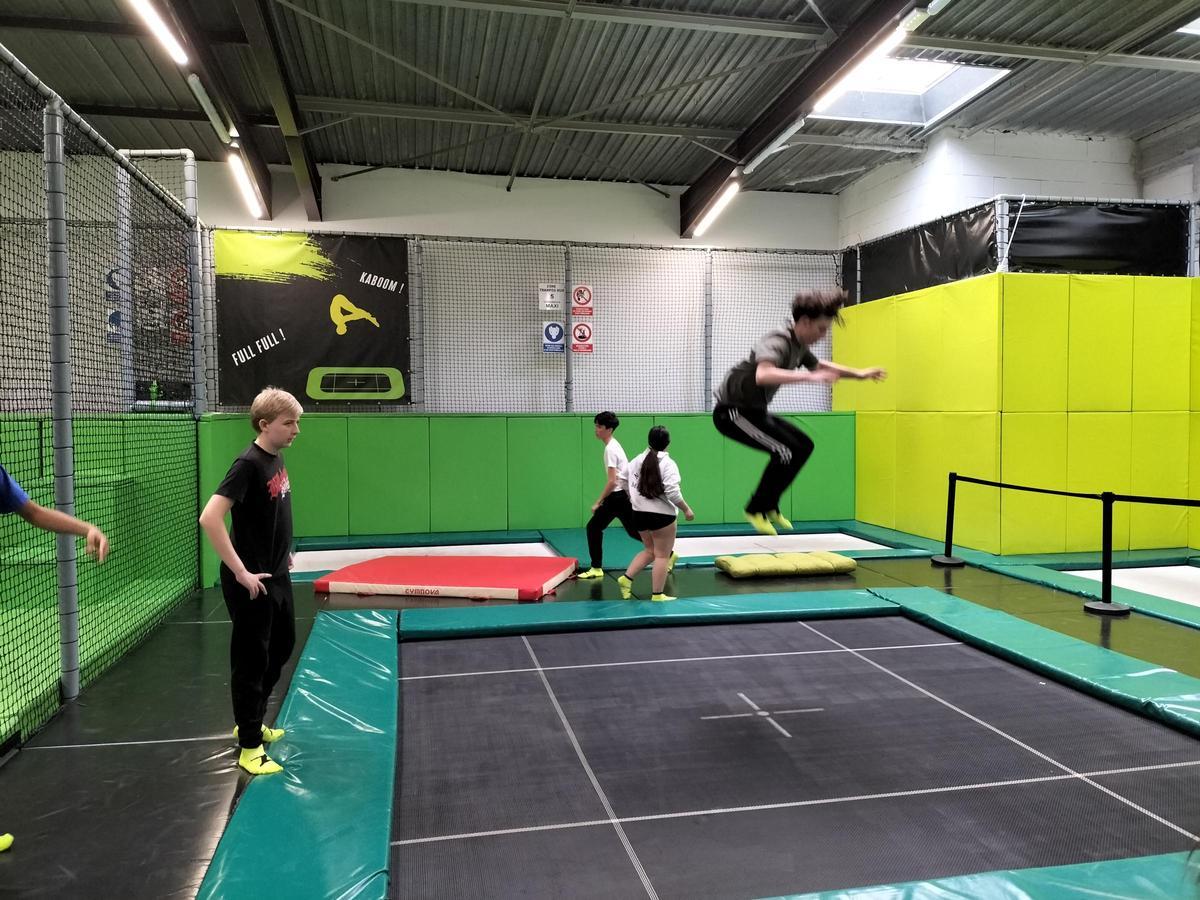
{"x": 766, "y": 565}
{"x": 1034, "y": 342}
{"x": 1100, "y": 344}
{"x": 1162, "y": 322}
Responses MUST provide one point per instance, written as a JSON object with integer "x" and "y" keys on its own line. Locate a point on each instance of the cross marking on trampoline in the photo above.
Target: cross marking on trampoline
{"x": 1004, "y": 734}
{"x": 759, "y": 711}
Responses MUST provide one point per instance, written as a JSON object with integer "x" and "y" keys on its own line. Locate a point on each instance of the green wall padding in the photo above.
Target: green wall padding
{"x": 544, "y": 471}
{"x": 1168, "y": 877}
{"x": 321, "y": 828}
{"x": 318, "y": 471}
{"x": 970, "y": 370}
{"x": 824, "y": 489}
{"x": 1158, "y": 468}
{"x": 387, "y": 468}
{"x": 222, "y": 439}
{"x": 1033, "y": 451}
{"x": 696, "y": 446}
{"x": 1034, "y": 362}
{"x": 1162, "y": 314}
{"x": 468, "y": 473}
{"x": 1099, "y": 348}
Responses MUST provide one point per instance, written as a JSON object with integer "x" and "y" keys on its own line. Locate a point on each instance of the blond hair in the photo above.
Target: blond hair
{"x": 271, "y": 403}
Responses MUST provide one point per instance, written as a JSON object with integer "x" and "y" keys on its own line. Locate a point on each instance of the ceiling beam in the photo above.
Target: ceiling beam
{"x": 375, "y": 109}
{"x": 795, "y": 100}
{"x": 173, "y": 115}
{"x": 112, "y": 29}
{"x": 206, "y": 66}
{"x": 1052, "y": 54}
{"x": 631, "y": 15}
{"x": 268, "y": 62}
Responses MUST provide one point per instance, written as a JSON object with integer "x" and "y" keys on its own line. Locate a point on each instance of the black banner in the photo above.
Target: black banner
{"x": 1098, "y": 239}
{"x": 959, "y": 246}
{"x": 322, "y": 316}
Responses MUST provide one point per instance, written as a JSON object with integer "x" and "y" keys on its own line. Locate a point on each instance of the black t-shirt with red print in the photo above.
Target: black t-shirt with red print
{"x": 257, "y": 483}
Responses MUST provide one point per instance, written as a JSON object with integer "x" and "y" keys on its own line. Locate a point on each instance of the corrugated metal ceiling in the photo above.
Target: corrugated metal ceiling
{"x": 493, "y": 61}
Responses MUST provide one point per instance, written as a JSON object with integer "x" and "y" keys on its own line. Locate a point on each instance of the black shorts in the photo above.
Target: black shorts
{"x": 651, "y": 521}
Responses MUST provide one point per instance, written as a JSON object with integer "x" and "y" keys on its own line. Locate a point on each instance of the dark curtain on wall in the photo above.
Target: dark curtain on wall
{"x": 1101, "y": 239}
{"x": 959, "y": 246}
{"x": 850, "y": 274}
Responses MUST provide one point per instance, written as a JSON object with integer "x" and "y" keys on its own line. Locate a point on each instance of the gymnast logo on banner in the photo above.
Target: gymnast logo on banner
{"x": 323, "y": 316}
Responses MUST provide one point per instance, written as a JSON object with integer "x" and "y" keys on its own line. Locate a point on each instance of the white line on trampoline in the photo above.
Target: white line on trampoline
{"x": 652, "y": 662}
{"x": 1008, "y": 737}
{"x": 612, "y": 816}
{"x": 211, "y": 737}
{"x": 796, "y": 804}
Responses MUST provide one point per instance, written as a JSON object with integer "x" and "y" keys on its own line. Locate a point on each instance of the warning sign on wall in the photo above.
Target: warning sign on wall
{"x": 582, "y": 300}
{"x": 581, "y": 338}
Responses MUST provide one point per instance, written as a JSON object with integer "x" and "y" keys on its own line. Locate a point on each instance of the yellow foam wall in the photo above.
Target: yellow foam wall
{"x": 1194, "y": 347}
{"x": 1034, "y": 363}
{"x": 971, "y": 443}
{"x": 1158, "y": 468}
{"x": 920, "y": 474}
{"x": 919, "y": 383}
{"x": 875, "y": 468}
{"x": 1033, "y": 451}
{"x": 1098, "y": 459}
{"x": 875, "y": 345}
{"x": 1194, "y": 478}
{"x": 970, "y": 370}
{"x": 1099, "y": 347}
{"x": 1162, "y": 321}
{"x": 845, "y": 352}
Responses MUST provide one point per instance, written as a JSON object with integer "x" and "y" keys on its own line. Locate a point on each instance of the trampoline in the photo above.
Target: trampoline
{"x": 754, "y": 760}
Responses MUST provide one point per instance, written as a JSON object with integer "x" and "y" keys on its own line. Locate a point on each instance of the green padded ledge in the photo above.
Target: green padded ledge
{"x": 433, "y": 539}
{"x": 594, "y": 615}
{"x": 619, "y": 548}
{"x": 321, "y": 828}
{"x": 1166, "y": 877}
{"x": 1152, "y": 691}
{"x": 1146, "y": 604}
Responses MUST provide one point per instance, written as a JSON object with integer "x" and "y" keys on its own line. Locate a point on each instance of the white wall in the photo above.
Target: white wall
{"x": 956, "y": 172}
{"x": 398, "y": 201}
{"x": 1177, "y": 184}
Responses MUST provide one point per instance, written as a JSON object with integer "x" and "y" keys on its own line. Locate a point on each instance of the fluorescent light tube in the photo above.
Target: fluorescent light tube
{"x": 717, "y": 208}
{"x": 242, "y": 177}
{"x": 159, "y": 29}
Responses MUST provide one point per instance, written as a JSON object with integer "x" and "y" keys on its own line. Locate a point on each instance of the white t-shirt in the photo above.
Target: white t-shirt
{"x": 615, "y": 458}
{"x": 666, "y": 504}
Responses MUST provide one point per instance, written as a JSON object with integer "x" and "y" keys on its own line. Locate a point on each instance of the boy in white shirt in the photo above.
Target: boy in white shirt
{"x": 654, "y": 493}
{"x": 613, "y": 502}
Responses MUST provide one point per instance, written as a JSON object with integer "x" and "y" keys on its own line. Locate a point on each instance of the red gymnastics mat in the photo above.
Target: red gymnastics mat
{"x": 476, "y": 577}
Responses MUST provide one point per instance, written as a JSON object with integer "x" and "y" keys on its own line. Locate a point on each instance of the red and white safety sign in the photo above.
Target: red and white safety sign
{"x": 581, "y": 338}
{"x": 582, "y": 300}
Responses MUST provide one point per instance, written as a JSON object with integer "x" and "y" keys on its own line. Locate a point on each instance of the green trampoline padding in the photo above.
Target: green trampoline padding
{"x": 427, "y": 624}
{"x": 1147, "y": 604}
{"x": 1152, "y": 691}
{"x": 620, "y": 548}
{"x": 1166, "y": 877}
{"x": 321, "y": 827}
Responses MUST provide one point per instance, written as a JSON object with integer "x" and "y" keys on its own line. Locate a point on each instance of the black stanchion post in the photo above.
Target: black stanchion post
{"x": 1104, "y": 606}
{"x": 948, "y": 559}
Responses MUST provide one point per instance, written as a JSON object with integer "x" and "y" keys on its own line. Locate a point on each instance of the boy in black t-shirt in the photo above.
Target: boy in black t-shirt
{"x": 254, "y": 570}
